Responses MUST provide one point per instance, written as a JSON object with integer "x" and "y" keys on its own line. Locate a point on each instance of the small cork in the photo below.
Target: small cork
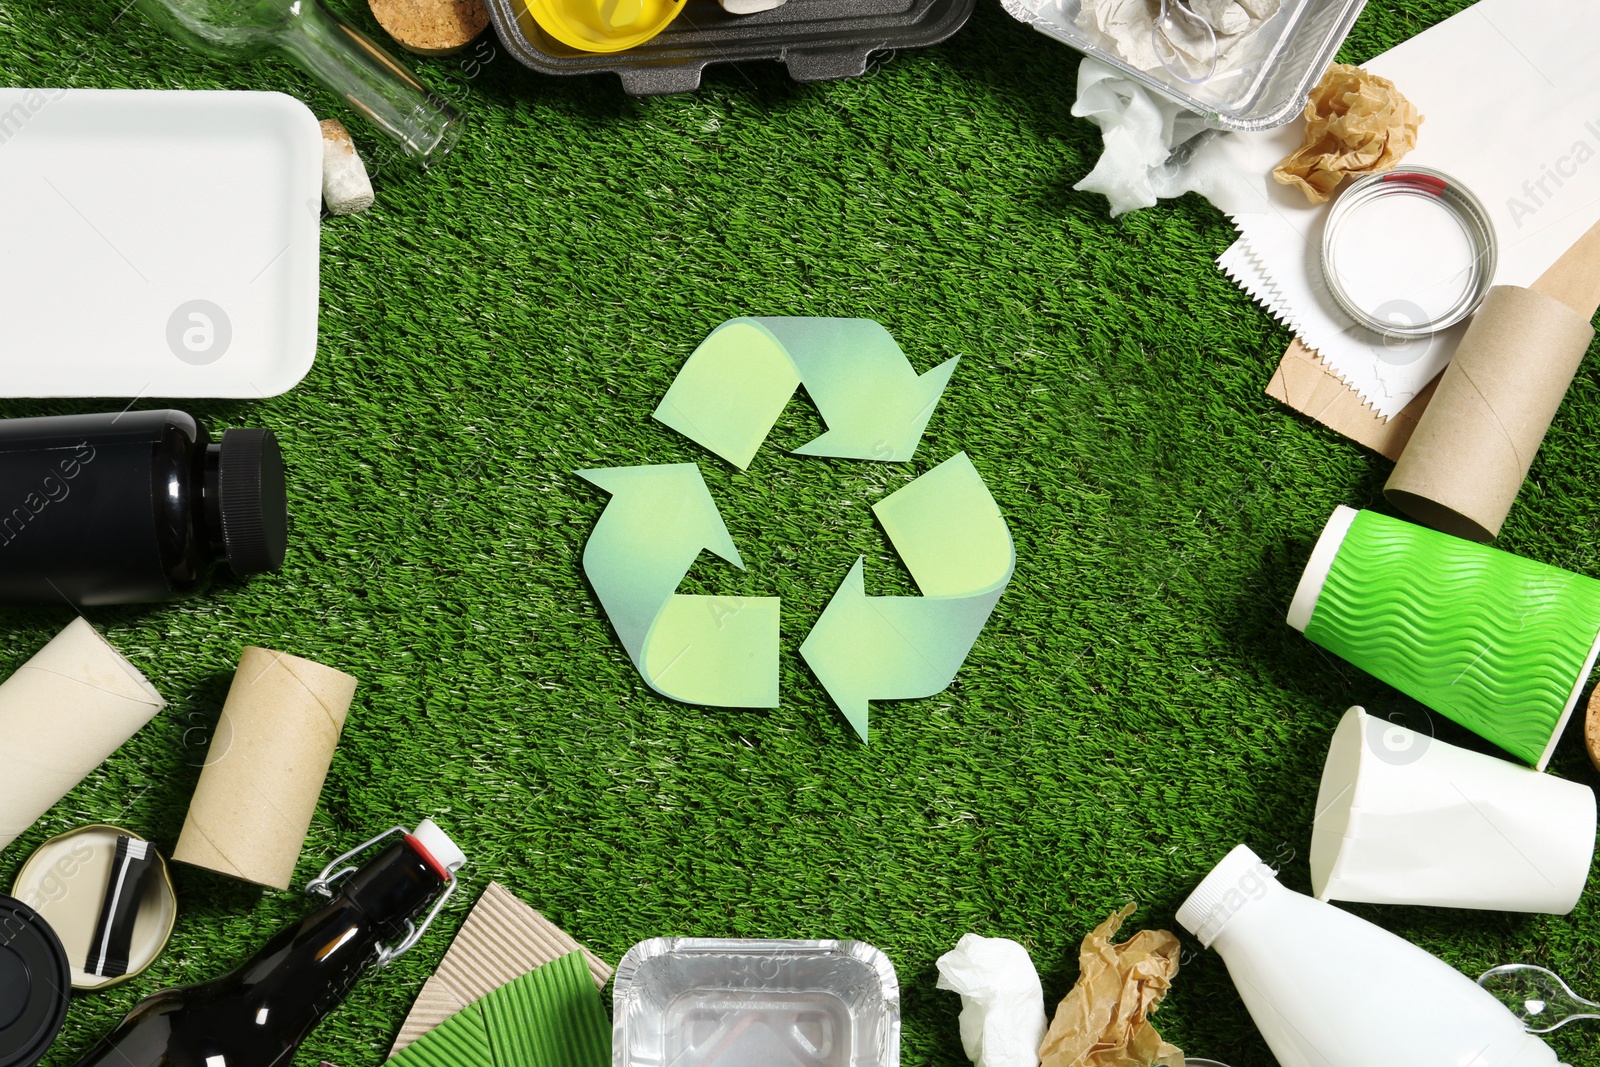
{"x": 1591, "y": 728}
{"x": 346, "y": 189}
{"x": 431, "y": 27}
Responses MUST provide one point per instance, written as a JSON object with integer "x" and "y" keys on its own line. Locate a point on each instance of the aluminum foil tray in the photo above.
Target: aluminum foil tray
{"x": 699, "y": 1002}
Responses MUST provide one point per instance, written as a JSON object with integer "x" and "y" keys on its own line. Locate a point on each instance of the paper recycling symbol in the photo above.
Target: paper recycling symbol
{"x": 722, "y": 650}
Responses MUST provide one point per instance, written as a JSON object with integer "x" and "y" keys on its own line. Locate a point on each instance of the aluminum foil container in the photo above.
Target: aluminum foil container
{"x": 698, "y": 1002}
{"x": 1264, "y": 86}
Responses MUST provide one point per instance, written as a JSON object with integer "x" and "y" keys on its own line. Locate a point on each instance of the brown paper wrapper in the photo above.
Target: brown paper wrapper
{"x": 502, "y": 940}
{"x": 1306, "y": 384}
{"x": 1474, "y": 444}
{"x": 1105, "y": 1020}
{"x": 62, "y": 714}
{"x": 266, "y": 766}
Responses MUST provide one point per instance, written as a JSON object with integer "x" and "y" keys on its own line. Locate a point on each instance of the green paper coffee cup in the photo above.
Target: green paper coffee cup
{"x": 1500, "y": 644}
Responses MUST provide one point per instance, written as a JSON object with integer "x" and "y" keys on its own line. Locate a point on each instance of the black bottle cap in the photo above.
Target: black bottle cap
{"x": 35, "y": 985}
{"x": 254, "y": 503}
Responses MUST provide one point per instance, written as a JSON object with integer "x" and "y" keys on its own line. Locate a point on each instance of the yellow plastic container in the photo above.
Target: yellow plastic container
{"x": 604, "y": 25}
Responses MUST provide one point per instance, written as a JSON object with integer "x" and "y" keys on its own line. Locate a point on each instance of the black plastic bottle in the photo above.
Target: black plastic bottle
{"x": 258, "y": 1015}
{"x": 133, "y": 506}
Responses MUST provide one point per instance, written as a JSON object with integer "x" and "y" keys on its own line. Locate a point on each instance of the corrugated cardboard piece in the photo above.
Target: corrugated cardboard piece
{"x": 502, "y": 940}
{"x": 1303, "y": 382}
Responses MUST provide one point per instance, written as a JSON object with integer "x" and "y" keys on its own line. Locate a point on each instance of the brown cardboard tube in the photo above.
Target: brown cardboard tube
{"x": 1474, "y": 443}
{"x": 265, "y": 770}
{"x": 63, "y": 714}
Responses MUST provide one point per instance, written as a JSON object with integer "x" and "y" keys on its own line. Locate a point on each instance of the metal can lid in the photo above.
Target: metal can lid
{"x": 66, "y": 879}
{"x": 1408, "y": 252}
{"x": 35, "y": 985}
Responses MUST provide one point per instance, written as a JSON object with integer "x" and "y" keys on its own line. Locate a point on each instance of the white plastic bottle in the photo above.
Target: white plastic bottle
{"x": 1329, "y": 989}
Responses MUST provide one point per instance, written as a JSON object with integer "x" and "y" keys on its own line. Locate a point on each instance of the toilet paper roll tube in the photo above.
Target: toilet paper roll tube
{"x": 1473, "y": 446}
{"x": 62, "y": 714}
{"x": 265, "y": 768}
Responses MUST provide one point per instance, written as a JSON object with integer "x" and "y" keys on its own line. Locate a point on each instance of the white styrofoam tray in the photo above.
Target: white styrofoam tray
{"x": 157, "y": 243}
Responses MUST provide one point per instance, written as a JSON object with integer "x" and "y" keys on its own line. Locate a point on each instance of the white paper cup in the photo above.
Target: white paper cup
{"x": 1403, "y": 818}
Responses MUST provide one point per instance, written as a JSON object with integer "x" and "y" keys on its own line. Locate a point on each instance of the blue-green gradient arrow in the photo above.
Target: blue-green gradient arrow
{"x": 954, "y": 541}
{"x": 733, "y": 387}
{"x": 716, "y": 650}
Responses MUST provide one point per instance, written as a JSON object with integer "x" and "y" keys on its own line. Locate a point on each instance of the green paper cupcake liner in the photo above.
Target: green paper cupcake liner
{"x": 550, "y": 1017}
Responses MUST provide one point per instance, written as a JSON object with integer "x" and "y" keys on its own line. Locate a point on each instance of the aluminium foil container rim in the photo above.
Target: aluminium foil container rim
{"x": 642, "y": 953}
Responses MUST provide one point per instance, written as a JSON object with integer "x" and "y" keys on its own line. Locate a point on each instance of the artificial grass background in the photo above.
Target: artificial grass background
{"x": 1135, "y": 707}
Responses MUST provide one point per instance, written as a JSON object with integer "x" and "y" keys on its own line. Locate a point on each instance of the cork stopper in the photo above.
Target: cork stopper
{"x": 431, "y": 27}
{"x": 346, "y": 186}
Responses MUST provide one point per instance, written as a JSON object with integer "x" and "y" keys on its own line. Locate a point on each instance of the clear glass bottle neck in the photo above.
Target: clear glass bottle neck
{"x": 385, "y": 93}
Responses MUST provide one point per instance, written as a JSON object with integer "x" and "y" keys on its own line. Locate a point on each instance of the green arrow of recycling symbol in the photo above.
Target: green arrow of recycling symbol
{"x": 723, "y": 651}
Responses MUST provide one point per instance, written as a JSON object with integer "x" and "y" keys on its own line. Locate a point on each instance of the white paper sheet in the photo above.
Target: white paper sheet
{"x": 1510, "y": 94}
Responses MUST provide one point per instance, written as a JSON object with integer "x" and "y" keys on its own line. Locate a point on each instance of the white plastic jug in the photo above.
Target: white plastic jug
{"x": 1328, "y": 989}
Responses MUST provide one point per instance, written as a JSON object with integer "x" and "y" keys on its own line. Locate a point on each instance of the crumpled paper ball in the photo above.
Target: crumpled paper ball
{"x": 1002, "y": 1002}
{"x": 1356, "y": 123}
{"x": 1140, "y": 129}
{"x": 1104, "y": 1021}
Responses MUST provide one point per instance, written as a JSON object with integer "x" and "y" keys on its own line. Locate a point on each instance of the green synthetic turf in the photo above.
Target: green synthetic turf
{"x": 1135, "y": 707}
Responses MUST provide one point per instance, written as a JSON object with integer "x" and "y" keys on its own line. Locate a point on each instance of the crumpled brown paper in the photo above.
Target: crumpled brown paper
{"x": 1104, "y": 1021}
{"x": 1356, "y": 123}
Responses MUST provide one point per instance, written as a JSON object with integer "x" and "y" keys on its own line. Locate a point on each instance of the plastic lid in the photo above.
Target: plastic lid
{"x": 1233, "y": 883}
{"x": 253, "y": 501}
{"x": 35, "y": 985}
{"x": 439, "y": 847}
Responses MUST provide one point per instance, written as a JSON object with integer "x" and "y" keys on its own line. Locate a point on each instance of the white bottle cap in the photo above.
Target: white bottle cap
{"x": 439, "y": 846}
{"x": 1240, "y": 878}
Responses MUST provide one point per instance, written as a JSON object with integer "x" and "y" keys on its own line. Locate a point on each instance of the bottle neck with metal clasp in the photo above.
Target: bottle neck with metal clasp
{"x": 257, "y": 1015}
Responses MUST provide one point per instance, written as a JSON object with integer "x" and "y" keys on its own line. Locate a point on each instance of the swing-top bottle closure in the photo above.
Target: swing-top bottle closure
{"x": 433, "y": 846}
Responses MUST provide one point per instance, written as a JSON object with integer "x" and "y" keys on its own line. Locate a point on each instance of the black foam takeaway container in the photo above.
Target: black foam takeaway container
{"x": 819, "y": 40}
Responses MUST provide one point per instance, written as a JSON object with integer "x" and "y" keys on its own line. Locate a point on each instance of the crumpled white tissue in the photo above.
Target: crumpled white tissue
{"x": 1002, "y": 1002}
{"x": 1140, "y": 130}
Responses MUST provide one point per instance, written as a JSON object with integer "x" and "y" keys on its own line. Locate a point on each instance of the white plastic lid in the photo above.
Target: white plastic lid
{"x": 1233, "y": 883}
{"x": 439, "y": 845}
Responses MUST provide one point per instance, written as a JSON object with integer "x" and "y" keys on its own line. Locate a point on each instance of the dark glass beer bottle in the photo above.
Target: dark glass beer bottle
{"x": 258, "y": 1015}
